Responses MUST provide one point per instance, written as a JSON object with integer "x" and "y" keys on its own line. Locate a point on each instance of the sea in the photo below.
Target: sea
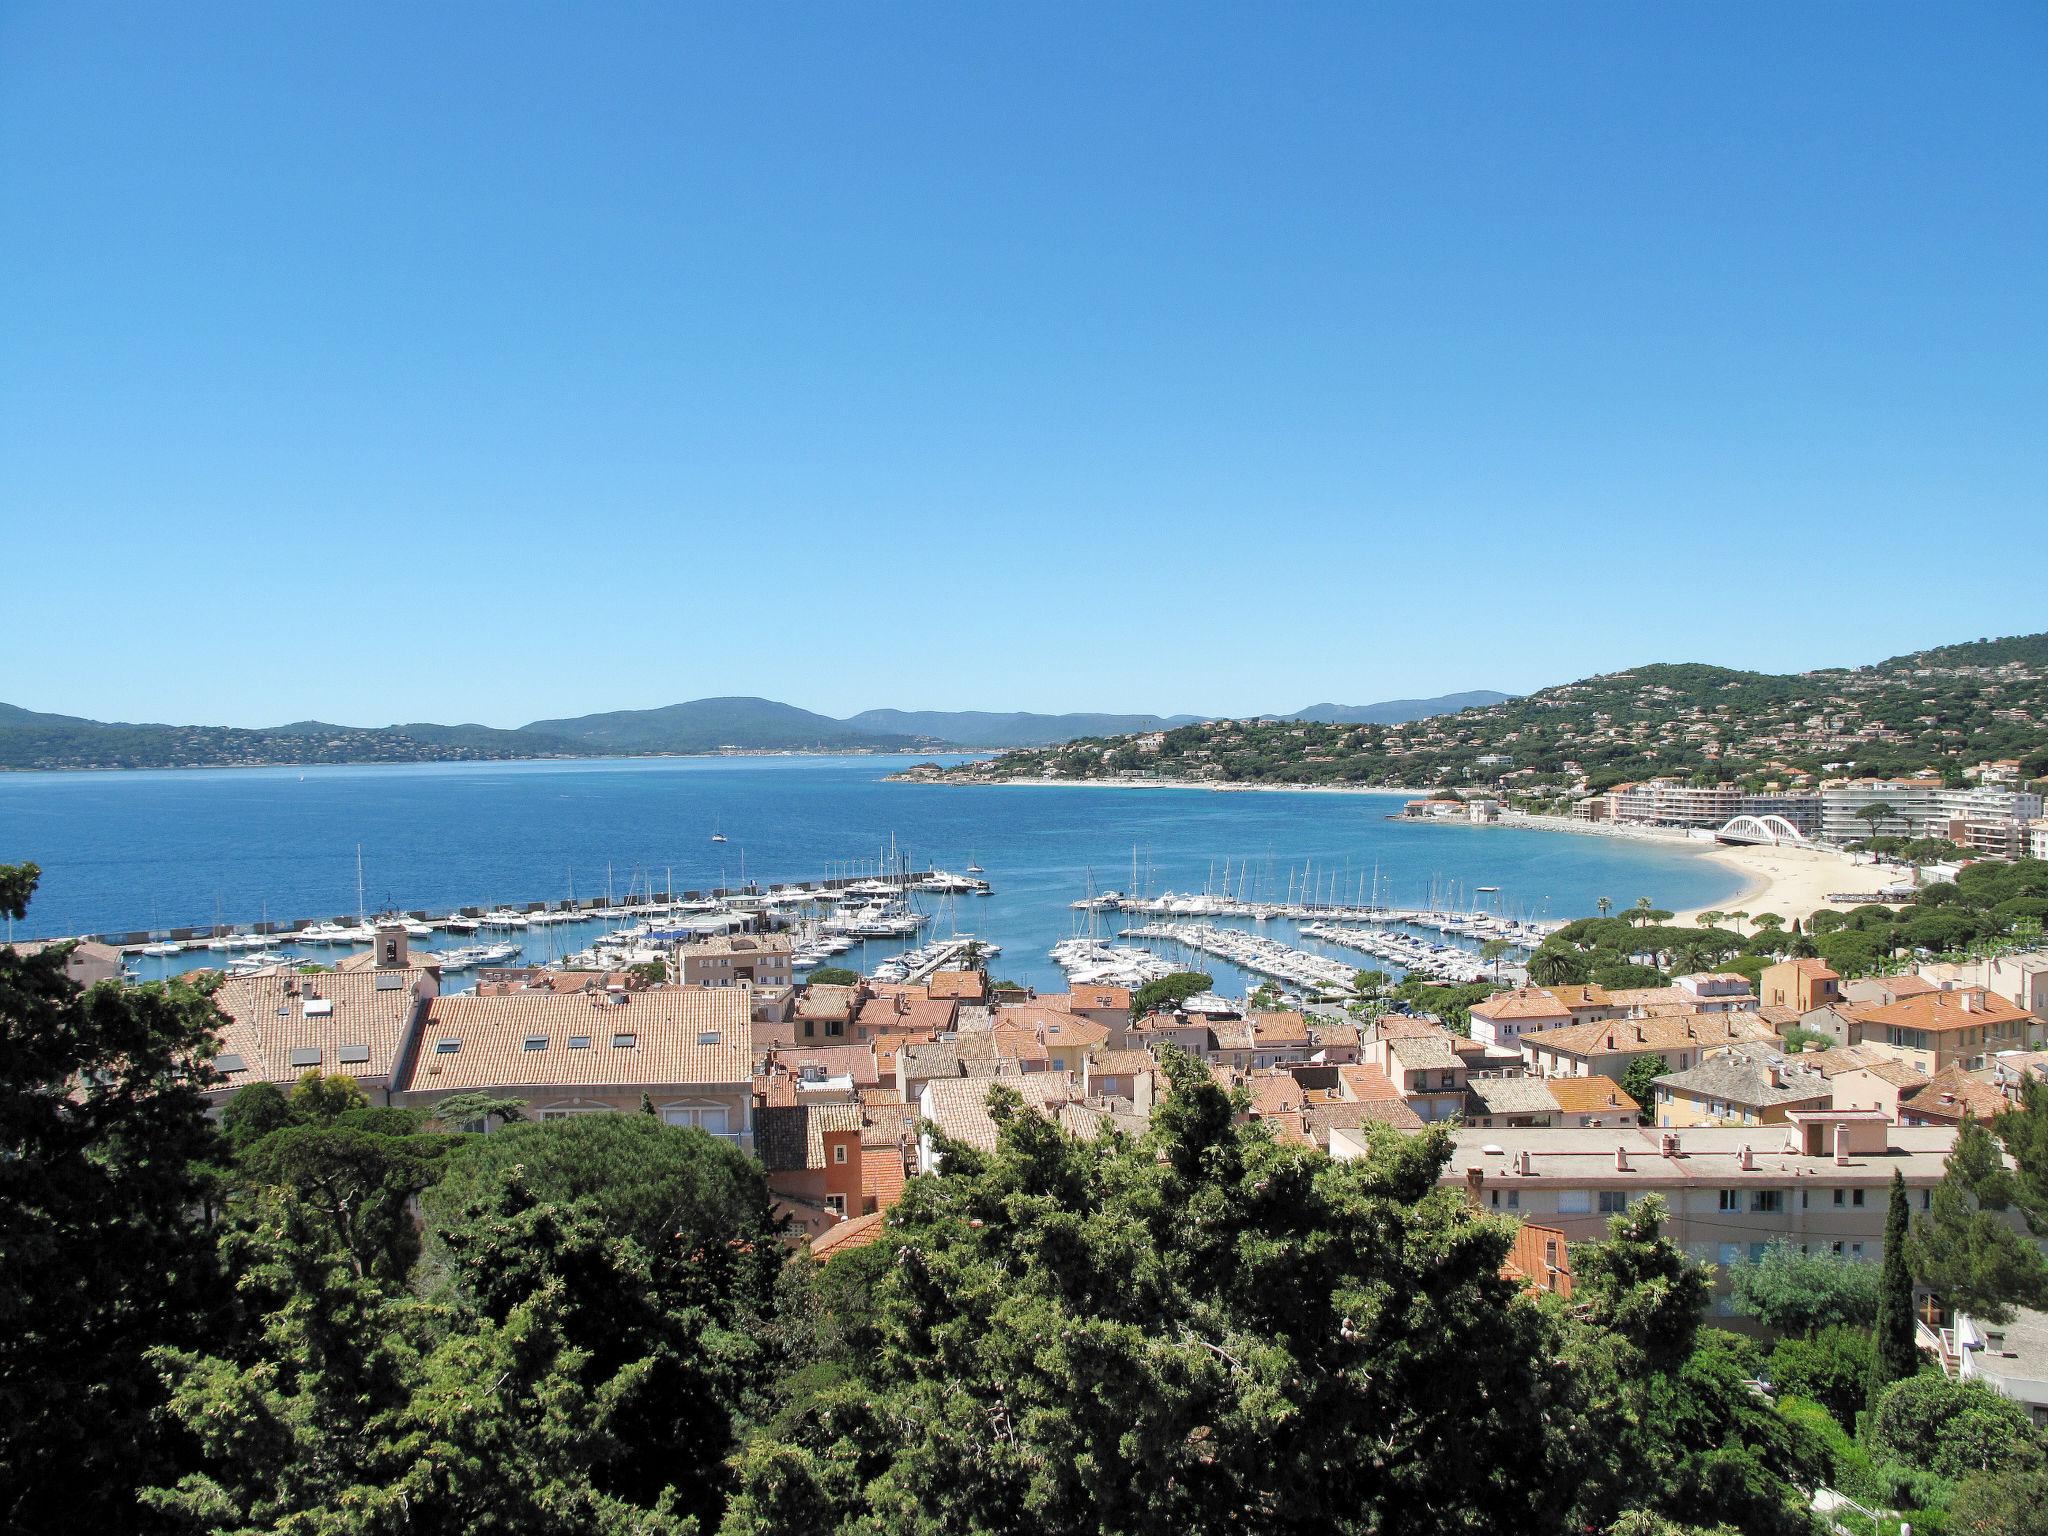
{"x": 134, "y": 852}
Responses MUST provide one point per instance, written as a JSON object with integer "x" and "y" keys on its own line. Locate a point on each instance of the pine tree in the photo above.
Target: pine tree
{"x": 1896, "y": 1356}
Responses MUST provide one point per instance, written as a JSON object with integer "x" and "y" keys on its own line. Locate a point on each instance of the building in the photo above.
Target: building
{"x": 1950, "y": 1097}
{"x": 1592, "y": 1101}
{"x": 1989, "y": 819}
{"x": 2021, "y": 979}
{"x": 360, "y": 1024}
{"x": 1740, "y": 1087}
{"x": 2037, "y": 838}
{"x": 88, "y": 962}
{"x": 1819, "y": 1182}
{"x": 1506, "y": 1017}
{"x": 1607, "y": 1048}
{"x": 1674, "y": 803}
{"x": 1881, "y": 1085}
{"x": 1802, "y": 811}
{"x": 737, "y": 959}
{"x": 1936, "y": 1030}
{"x": 2010, "y": 1358}
{"x": 686, "y": 1050}
{"x": 1801, "y": 984}
{"x": 1541, "y": 1259}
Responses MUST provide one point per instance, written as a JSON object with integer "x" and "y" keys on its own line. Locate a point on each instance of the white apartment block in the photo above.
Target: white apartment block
{"x": 1987, "y": 819}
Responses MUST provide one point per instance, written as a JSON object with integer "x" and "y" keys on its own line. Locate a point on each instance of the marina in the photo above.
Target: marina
{"x": 610, "y": 860}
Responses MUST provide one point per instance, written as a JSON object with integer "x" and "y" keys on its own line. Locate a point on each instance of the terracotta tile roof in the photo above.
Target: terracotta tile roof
{"x": 1677, "y": 1031}
{"x": 793, "y": 1139}
{"x": 1952, "y": 1095}
{"x": 1523, "y": 1003}
{"x": 1425, "y": 1051}
{"x": 1364, "y": 1084}
{"x": 846, "y": 1236}
{"x": 1889, "y": 1069}
{"x": 1054, "y": 1026}
{"x": 1581, "y": 996}
{"x": 957, "y": 985}
{"x": 1843, "y": 1058}
{"x": 958, "y": 1106}
{"x": 1278, "y": 1029}
{"x": 1945, "y": 1012}
{"x": 1332, "y": 1035}
{"x": 740, "y": 944}
{"x": 1120, "y": 1063}
{"x": 281, "y": 1024}
{"x": 826, "y": 1002}
{"x": 1097, "y": 999}
{"x": 907, "y": 1015}
{"x": 979, "y": 1054}
{"x": 1320, "y": 1119}
{"x": 1653, "y": 997}
{"x": 854, "y": 1061}
{"x": 1274, "y": 1093}
{"x": 881, "y": 1173}
{"x": 669, "y": 1035}
{"x": 1591, "y": 1096}
{"x": 1396, "y": 1026}
{"x": 1512, "y": 1095}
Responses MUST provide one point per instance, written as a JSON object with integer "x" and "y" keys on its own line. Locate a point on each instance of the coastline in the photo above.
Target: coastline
{"x": 1792, "y": 882}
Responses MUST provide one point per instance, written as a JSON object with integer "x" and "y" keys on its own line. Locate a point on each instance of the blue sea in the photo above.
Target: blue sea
{"x": 123, "y": 852}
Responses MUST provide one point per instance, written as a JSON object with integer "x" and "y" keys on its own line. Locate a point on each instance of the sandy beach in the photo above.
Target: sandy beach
{"x": 1792, "y": 882}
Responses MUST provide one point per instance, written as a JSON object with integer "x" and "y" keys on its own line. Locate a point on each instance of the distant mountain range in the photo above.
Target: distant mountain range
{"x": 31, "y": 740}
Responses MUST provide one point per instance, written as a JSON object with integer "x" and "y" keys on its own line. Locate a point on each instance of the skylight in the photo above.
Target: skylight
{"x": 536, "y": 1042}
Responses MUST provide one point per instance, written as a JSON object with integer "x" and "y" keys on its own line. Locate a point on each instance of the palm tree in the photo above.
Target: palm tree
{"x": 1493, "y": 950}
{"x": 1640, "y": 912}
{"x": 1604, "y": 905}
{"x": 1556, "y": 968}
{"x": 1711, "y": 918}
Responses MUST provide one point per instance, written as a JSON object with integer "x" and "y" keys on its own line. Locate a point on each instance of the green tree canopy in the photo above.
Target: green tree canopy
{"x": 103, "y": 1248}
{"x": 1802, "y": 1293}
{"x": 1169, "y": 992}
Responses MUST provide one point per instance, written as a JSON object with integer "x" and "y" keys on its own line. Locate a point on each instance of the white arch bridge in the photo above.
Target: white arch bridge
{"x": 1762, "y": 829}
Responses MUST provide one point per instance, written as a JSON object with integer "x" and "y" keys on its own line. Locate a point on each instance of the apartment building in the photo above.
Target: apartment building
{"x": 1819, "y": 1182}
{"x": 1607, "y": 1048}
{"x": 1932, "y": 1031}
{"x": 738, "y": 959}
{"x": 1990, "y": 819}
{"x": 1803, "y": 985}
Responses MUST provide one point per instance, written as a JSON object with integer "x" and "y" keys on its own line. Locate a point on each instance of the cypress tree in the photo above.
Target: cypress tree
{"x": 1896, "y": 1356}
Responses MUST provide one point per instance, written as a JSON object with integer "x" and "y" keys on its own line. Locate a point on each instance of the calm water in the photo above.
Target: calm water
{"x": 128, "y": 851}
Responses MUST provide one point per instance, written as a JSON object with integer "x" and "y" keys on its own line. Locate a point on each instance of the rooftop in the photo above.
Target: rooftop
{"x": 668, "y": 1035}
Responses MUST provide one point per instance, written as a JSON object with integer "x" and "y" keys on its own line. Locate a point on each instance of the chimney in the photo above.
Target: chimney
{"x": 1475, "y": 1179}
{"x": 1748, "y": 1160}
{"x": 1968, "y": 1001}
{"x": 1669, "y": 1145}
{"x": 1621, "y": 1159}
{"x": 1841, "y": 1145}
{"x": 1522, "y": 1162}
{"x": 1641, "y": 1039}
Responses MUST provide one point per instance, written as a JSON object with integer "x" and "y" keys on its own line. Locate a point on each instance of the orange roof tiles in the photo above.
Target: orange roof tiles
{"x": 1590, "y": 1096}
{"x": 1523, "y": 1003}
{"x": 846, "y": 1236}
{"x": 281, "y": 1024}
{"x": 1678, "y": 1031}
{"x": 1945, "y": 1012}
{"x": 670, "y": 1035}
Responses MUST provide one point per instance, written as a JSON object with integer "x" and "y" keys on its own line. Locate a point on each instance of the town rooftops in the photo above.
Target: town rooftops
{"x": 1594, "y": 1095}
{"x": 1677, "y": 1031}
{"x": 1522, "y": 1003}
{"x": 849, "y": 1235}
{"x": 1753, "y": 1081}
{"x": 1513, "y": 1095}
{"x": 827, "y": 1002}
{"x": 740, "y": 944}
{"x": 1706, "y": 1155}
{"x": 281, "y": 1024}
{"x": 1953, "y": 1095}
{"x": 694, "y": 1036}
{"x": 958, "y": 1106}
{"x": 1097, "y": 999}
{"x": 958, "y": 985}
{"x": 1945, "y": 1012}
{"x": 790, "y": 1140}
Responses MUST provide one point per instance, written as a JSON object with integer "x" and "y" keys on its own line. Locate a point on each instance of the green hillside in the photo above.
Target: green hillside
{"x": 1937, "y": 710}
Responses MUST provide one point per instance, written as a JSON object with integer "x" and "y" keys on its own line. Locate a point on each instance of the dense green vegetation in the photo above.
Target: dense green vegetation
{"x": 1940, "y": 709}
{"x": 1988, "y": 907}
{"x": 592, "y": 1327}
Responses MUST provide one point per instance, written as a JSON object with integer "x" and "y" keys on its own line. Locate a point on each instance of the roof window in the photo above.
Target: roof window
{"x": 319, "y": 1007}
{"x": 579, "y": 1042}
{"x": 624, "y": 1042}
{"x": 536, "y": 1042}
{"x": 447, "y": 1047}
{"x": 230, "y": 1063}
{"x": 708, "y": 1037}
{"x": 353, "y": 1053}
{"x": 304, "y": 1056}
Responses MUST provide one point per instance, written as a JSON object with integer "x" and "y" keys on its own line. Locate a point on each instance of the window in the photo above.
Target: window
{"x": 1514, "y": 1199}
{"x": 624, "y": 1042}
{"x": 1855, "y": 1250}
{"x": 839, "y": 1153}
{"x": 1731, "y": 1254}
{"x": 707, "y": 1037}
{"x": 1756, "y": 1252}
{"x": 1766, "y": 1202}
{"x": 447, "y": 1047}
{"x": 837, "y": 1205}
{"x": 579, "y": 1042}
{"x": 305, "y": 1056}
{"x": 1926, "y": 1199}
{"x": 1731, "y": 1199}
{"x": 1574, "y": 1202}
{"x": 536, "y": 1042}
{"x": 1841, "y": 1196}
{"x": 1613, "y": 1201}
{"x": 353, "y": 1053}
{"x": 705, "y": 1117}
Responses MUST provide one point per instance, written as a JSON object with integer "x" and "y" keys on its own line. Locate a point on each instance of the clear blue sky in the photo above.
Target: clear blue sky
{"x": 496, "y": 361}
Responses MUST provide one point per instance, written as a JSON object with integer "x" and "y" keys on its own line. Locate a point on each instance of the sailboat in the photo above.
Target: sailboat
{"x": 716, "y": 835}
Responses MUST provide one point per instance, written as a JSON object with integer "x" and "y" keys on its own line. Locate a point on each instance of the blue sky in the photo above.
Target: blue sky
{"x": 492, "y": 362}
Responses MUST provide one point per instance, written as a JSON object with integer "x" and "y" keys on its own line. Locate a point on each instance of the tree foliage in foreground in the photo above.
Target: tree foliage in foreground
{"x": 104, "y": 1253}
{"x": 1202, "y": 1330}
{"x": 1801, "y": 1293}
